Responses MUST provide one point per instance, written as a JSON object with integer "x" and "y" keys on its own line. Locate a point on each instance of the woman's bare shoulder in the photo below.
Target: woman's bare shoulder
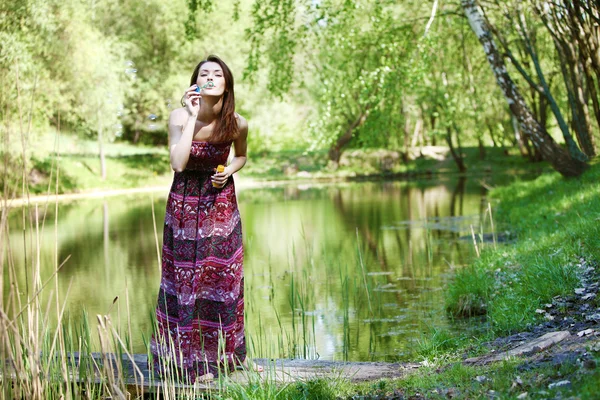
{"x": 242, "y": 123}
{"x": 178, "y": 116}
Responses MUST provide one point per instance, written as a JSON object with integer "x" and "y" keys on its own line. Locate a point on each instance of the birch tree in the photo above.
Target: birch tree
{"x": 552, "y": 152}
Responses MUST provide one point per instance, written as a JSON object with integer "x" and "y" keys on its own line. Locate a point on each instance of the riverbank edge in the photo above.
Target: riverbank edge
{"x": 80, "y": 172}
{"x": 557, "y": 249}
{"x": 161, "y": 184}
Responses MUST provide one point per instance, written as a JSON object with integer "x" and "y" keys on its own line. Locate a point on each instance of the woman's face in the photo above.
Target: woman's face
{"x": 211, "y": 72}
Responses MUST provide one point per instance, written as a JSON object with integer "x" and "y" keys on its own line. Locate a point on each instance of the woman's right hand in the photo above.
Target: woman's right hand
{"x": 191, "y": 100}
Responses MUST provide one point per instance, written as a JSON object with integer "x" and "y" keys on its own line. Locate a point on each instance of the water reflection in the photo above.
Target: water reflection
{"x": 349, "y": 271}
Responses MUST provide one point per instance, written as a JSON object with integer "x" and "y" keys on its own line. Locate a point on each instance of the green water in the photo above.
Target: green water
{"x": 350, "y": 271}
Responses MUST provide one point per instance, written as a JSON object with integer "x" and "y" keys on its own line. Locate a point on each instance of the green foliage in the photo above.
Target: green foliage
{"x": 286, "y": 31}
{"x": 372, "y": 73}
{"x": 360, "y": 86}
{"x": 359, "y": 74}
{"x": 206, "y": 6}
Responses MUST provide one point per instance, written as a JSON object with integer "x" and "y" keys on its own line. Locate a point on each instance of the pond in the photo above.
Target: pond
{"x": 348, "y": 271}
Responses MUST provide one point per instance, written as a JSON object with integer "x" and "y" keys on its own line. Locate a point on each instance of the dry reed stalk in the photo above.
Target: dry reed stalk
{"x": 475, "y": 242}
{"x": 107, "y": 364}
{"x": 492, "y": 225}
{"x": 131, "y": 358}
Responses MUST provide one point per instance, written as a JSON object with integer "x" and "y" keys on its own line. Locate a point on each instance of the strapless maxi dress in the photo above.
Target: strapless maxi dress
{"x": 200, "y": 310}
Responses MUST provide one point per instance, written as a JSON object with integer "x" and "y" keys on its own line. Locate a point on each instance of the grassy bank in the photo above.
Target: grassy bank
{"x": 556, "y": 223}
{"x": 133, "y": 166}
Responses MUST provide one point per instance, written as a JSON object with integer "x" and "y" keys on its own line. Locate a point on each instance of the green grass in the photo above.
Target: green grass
{"x": 556, "y": 222}
{"x": 505, "y": 380}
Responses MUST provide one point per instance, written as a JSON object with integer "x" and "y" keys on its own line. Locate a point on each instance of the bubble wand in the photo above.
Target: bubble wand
{"x": 208, "y": 84}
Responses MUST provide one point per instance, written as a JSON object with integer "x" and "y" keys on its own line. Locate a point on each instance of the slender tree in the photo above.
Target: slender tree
{"x": 576, "y": 39}
{"x": 549, "y": 149}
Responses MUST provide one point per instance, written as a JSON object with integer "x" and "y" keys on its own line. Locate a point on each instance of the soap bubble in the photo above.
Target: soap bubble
{"x": 169, "y": 105}
{"x": 131, "y": 72}
{"x": 152, "y": 127}
{"x": 118, "y": 130}
{"x": 152, "y": 117}
{"x": 129, "y": 63}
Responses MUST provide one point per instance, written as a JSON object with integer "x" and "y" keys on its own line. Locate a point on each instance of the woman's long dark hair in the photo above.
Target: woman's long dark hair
{"x": 226, "y": 126}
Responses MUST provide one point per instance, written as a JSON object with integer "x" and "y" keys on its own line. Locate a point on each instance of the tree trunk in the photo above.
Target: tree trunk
{"x": 405, "y": 111}
{"x": 543, "y": 116}
{"x": 579, "y": 109}
{"x": 491, "y": 131}
{"x": 521, "y": 141}
{"x": 481, "y": 148}
{"x": 432, "y": 121}
{"x": 335, "y": 152}
{"x": 101, "y": 150}
{"x": 593, "y": 92}
{"x": 589, "y": 145}
{"x": 415, "y": 137}
{"x": 460, "y": 163}
{"x": 561, "y": 160}
{"x": 574, "y": 151}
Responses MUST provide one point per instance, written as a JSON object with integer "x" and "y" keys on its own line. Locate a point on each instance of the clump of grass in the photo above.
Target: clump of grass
{"x": 469, "y": 293}
{"x": 316, "y": 389}
{"x": 439, "y": 343}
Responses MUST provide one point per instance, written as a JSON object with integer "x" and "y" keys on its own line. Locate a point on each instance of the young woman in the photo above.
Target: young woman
{"x": 200, "y": 311}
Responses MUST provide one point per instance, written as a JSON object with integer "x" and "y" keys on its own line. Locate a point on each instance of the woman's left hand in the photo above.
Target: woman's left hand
{"x": 219, "y": 179}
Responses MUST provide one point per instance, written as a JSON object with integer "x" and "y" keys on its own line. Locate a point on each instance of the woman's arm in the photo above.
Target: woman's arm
{"x": 182, "y": 122}
{"x": 181, "y": 133}
{"x": 240, "y": 146}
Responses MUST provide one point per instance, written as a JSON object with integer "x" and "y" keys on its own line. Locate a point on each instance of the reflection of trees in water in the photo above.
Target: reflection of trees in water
{"x": 401, "y": 252}
{"x": 105, "y": 238}
{"x": 113, "y": 240}
{"x": 390, "y": 204}
{"x": 367, "y": 236}
{"x": 456, "y": 201}
{"x": 108, "y": 243}
{"x": 456, "y": 206}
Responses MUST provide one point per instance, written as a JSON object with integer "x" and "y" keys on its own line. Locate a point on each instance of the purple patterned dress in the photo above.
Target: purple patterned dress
{"x": 200, "y": 311}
